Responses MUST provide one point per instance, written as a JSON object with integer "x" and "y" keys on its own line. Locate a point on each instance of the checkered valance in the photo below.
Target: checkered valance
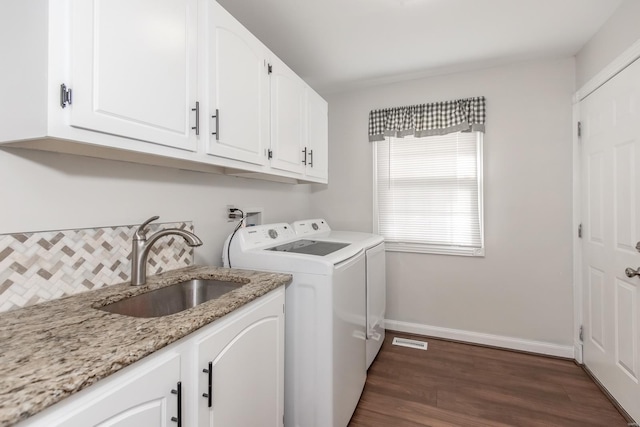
{"x": 438, "y": 118}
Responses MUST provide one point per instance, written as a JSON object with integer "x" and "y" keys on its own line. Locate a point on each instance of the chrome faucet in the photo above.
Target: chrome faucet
{"x": 141, "y": 245}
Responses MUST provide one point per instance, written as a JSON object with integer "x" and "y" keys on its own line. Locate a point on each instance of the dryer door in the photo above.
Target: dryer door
{"x": 349, "y": 332}
{"x": 376, "y": 300}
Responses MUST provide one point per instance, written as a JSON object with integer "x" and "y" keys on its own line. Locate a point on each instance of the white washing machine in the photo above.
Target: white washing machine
{"x": 325, "y": 312}
{"x": 376, "y": 283}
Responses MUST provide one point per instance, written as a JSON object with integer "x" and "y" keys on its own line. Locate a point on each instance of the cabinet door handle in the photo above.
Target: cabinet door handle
{"x": 209, "y": 393}
{"x": 178, "y": 419}
{"x": 311, "y": 158}
{"x": 304, "y": 162}
{"x": 197, "y": 126}
{"x": 217, "y": 132}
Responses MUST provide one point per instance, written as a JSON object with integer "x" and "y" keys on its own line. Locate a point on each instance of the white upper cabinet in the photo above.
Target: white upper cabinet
{"x": 133, "y": 69}
{"x": 317, "y": 165}
{"x": 299, "y": 125}
{"x": 176, "y": 83}
{"x": 238, "y": 89}
{"x": 288, "y": 118}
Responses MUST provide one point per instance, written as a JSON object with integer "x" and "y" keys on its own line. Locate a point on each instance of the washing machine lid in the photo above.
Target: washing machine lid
{"x": 309, "y": 247}
{"x": 318, "y": 229}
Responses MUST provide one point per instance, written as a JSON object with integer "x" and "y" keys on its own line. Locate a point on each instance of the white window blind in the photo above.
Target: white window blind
{"x": 428, "y": 193}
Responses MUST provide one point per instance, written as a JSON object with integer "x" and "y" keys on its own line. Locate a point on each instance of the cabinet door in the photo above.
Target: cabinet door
{"x": 143, "y": 398}
{"x": 317, "y": 136}
{"x": 288, "y": 118}
{"x": 247, "y": 376}
{"x": 238, "y": 82}
{"x": 133, "y": 69}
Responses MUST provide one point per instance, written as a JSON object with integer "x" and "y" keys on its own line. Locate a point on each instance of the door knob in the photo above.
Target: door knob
{"x": 630, "y": 272}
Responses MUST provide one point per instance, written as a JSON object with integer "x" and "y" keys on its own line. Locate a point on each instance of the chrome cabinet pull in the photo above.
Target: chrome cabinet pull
{"x": 197, "y": 126}
{"x": 217, "y": 132}
{"x": 311, "y": 158}
{"x": 304, "y": 162}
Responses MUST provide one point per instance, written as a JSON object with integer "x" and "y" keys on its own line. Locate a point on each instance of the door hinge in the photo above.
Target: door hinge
{"x": 269, "y": 68}
{"x": 581, "y": 333}
{"x": 269, "y": 154}
{"x": 580, "y": 231}
{"x": 65, "y": 96}
{"x": 579, "y": 129}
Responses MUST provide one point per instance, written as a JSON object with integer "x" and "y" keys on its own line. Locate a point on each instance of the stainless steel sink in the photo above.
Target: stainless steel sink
{"x": 172, "y": 299}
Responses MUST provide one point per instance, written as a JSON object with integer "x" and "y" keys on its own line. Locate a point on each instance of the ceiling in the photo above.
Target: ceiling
{"x": 337, "y": 45}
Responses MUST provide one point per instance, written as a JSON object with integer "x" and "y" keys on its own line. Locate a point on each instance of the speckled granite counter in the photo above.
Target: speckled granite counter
{"x": 52, "y": 350}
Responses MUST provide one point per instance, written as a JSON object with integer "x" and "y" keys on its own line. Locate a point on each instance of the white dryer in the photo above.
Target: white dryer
{"x": 325, "y": 313}
{"x": 376, "y": 283}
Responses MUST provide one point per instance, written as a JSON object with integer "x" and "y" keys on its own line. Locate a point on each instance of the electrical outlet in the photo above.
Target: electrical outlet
{"x": 228, "y": 213}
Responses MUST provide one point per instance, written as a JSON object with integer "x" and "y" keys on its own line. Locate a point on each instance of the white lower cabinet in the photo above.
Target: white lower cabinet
{"x": 143, "y": 394}
{"x": 237, "y": 364}
{"x": 169, "y": 388}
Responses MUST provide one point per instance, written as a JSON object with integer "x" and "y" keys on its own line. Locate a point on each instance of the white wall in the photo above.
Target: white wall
{"x": 47, "y": 191}
{"x": 617, "y": 34}
{"x": 522, "y": 288}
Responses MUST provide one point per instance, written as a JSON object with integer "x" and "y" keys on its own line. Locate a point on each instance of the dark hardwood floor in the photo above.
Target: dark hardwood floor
{"x": 455, "y": 384}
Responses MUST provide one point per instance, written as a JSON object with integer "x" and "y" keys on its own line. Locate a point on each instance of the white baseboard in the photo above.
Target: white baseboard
{"x": 577, "y": 351}
{"x": 510, "y": 343}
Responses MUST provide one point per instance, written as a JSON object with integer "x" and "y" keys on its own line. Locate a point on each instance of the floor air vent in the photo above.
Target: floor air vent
{"x": 405, "y": 342}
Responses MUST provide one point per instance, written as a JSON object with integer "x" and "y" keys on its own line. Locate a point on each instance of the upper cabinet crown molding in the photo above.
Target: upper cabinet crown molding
{"x": 172, "y": 83}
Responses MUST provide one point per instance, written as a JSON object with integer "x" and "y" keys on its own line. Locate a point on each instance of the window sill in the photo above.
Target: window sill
{"x": 435, "y": 250}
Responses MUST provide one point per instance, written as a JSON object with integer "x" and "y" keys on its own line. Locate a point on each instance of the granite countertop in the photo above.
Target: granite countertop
{"x": 54, "y": 349}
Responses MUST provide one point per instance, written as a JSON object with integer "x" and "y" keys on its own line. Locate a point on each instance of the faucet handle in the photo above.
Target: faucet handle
{"x": 141, "y": 232}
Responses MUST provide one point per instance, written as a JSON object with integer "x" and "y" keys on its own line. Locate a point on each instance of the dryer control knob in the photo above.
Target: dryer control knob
{"x": 314, "y": 226}
{"x": 273, "y": 233}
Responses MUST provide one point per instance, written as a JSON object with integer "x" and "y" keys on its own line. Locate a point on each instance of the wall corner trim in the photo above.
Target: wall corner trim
{"x": 625, "y": 59}
{"x": 510, "y": 343}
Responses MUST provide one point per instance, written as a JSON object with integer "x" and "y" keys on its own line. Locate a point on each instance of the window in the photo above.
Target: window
{"x": 428, "y": 193}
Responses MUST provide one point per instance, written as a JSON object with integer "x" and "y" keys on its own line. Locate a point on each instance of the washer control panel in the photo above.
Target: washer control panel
{"x": 265, "y": 235}
{"x": 310, "y": 227}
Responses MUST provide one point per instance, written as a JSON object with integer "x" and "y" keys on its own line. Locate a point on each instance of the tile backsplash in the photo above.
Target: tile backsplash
{"x": 41, "y": 266}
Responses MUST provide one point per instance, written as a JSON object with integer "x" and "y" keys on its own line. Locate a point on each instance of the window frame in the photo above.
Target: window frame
{"x": 427, "y": 248}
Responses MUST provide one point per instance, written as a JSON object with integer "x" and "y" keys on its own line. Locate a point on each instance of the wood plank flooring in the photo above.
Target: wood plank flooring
{"x": 455, "y": 384}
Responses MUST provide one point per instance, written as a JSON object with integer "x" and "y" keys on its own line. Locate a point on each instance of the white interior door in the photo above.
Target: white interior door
{"x": 611, "y": 217}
